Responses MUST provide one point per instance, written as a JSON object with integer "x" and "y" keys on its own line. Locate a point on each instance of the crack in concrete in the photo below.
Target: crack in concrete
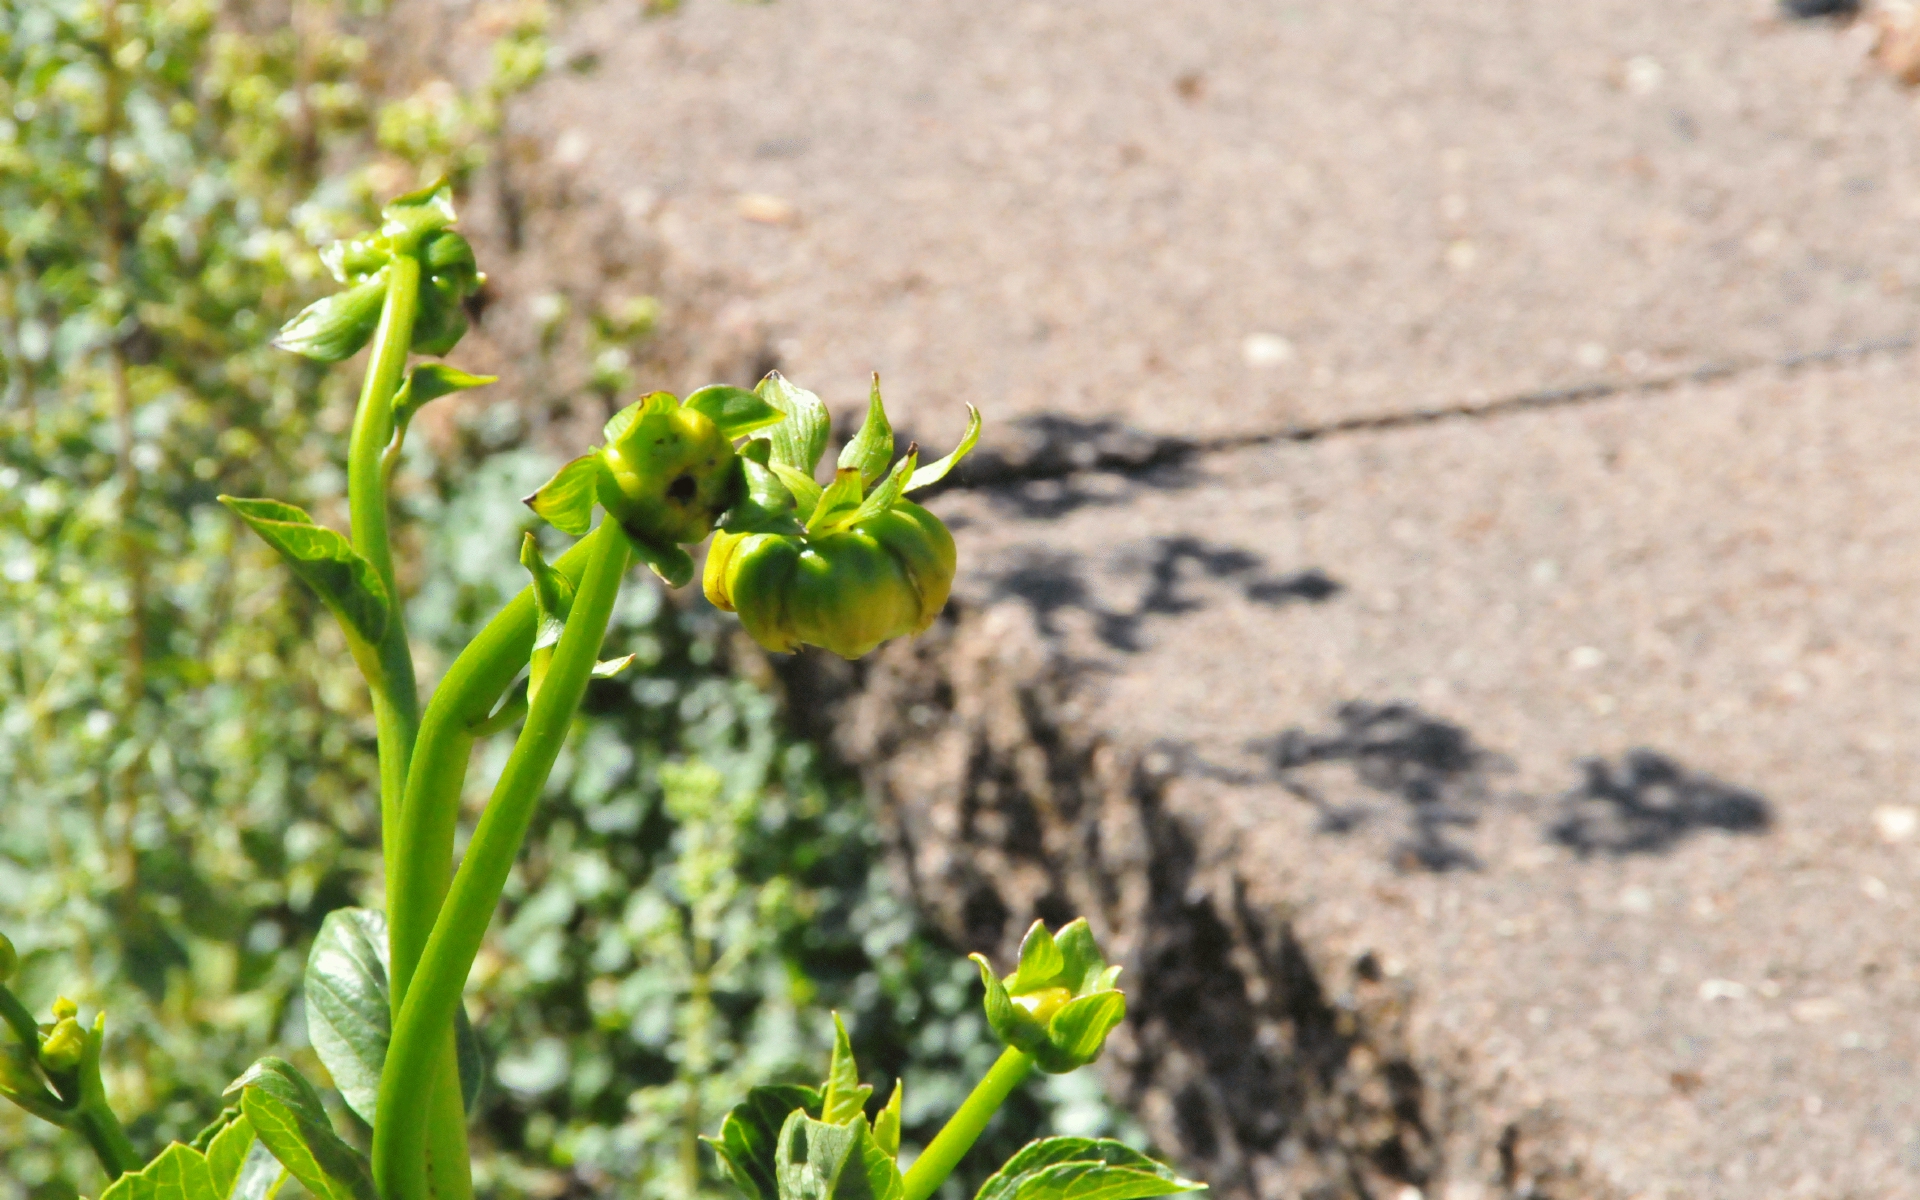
{"x": 1140, "y": 452}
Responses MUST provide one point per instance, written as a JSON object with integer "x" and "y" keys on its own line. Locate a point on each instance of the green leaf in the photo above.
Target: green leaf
{"x": 750, "y": 1133}
{"x": 566, "y": 501}
{"x": 1078, "y": 1031}
{"x": 844, "y": 1096}
{"x": 840, "y": 500}
{"x": 334, "y": 328}
{"x": 937, "y": 470}
{"x": 261, "y": 1176}
{"x": 228, "y": 1154}
{"x": 736, "y": 411}
{"x": 1070, "y": 1168}
{"x": 1040, "y": 961}
{"x": 325, "y": 560}
{"x": 349, "y": 1010}
{"x": 287, "y": 1115}
{"x": 348, "y": 1003}
{"x": 872, "y": 448}
{"x": 800, "y": 439}
{"x": 552, "y": 595}
{"x": 428, "y": 382}
{"x": 179, "y": 1173}
{"x": 886, "y": 1126}
{"x": 819, "y": 1161}
{"x": 608, "y": 668}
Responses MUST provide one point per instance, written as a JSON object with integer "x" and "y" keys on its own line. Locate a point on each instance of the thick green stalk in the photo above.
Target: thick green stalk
{"x": 424, "y": 839}
{"x": 953, "y": 1141}
{"x": 396, "y": 702}
{"x": 400, "y": 1126}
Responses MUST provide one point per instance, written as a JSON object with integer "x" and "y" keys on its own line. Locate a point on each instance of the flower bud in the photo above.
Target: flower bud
{"x": 65, "y": 1045}
{"x": 670, "y": 472}
{"x": 847, "y": 592}
{"x": 845, "y": 567}
{"x": 1060, "y": 1003}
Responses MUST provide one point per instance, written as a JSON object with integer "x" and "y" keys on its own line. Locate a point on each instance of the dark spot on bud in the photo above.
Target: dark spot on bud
{"x": 683, "y": 489}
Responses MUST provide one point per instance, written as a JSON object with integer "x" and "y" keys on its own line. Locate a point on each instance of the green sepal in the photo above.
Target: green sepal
{"x": 408, "y": 219}
{"x": 937, "y": 470}
{"x": 334, "y": 328}
{"x": 891, "y": 489}
{"x": 872, "y": 448}
{"x": 840, "y": 499}
{"x": 769, "y": 507}
{"x": 843, "y": 1096}
{"x": 735, "y": 411}
{"x": 287, "y": 1115}
{"x": 428, "y": 382}
{"x": 886, "y": 1126}
{"x": 819, "y": 1161}
{"x": 1077, "y": 1032}
{"x": 325, "y": 561}
{"x": 1072, "y": 1168}
{"x": 1040, "y": 961}
{"x": 621, "y": 423}
{"x": 566, "y": 501}
{"x": 801, "y": 486}
{"x": 448, "y": 275}
{"x": 349, "y": 1004}
{"x": 355, "y": 260}
{"x": 1009, "y": 1022}
{"x": 670, "y": 562}
{"x": 801, "y": 437}
{"x": 750, "y": 1134}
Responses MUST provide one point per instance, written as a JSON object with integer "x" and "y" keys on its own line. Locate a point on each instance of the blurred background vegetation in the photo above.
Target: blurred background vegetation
{"x": 186, "y": 755}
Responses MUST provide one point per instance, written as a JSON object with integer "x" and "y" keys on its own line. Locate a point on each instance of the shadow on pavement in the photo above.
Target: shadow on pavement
{"x": 1052, "y": 581}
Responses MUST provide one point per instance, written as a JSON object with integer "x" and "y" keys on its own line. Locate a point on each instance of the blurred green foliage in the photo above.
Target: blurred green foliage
{"x": 186, "y": 753}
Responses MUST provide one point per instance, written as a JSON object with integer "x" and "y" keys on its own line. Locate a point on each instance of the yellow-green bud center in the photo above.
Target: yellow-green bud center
{"x": 1041, "y": 1005}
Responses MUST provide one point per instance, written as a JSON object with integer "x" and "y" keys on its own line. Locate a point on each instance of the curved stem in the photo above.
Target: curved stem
{"x": 396, "y": 701}
{"x": 400, "y": 1124}
{"x": 955, "y": 1138}
{"x": 438, "y": 773}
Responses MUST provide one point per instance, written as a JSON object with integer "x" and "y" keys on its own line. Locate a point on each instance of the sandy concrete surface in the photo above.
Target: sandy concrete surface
{"x": 1594, "y": 725}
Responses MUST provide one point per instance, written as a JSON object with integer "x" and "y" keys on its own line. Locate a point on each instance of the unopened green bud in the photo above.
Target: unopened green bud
{"x": 844, "y": 567}
{"x": 9, "y": 958}
{"x": 334, "y": 328}
{"x": 670, "y": 472}
{"x": 65, "y": 1009}
{"x": 1060, "y": 1003}
{"x": 847, "y": 591}
{"x": 63, "y": 1048}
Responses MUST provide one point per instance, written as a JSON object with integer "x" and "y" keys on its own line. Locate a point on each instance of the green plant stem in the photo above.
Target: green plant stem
{"x": 93, "y": 1118}
{"x": 400, "y": 1126}
{"x": 957, "y": 1136}
{"x": 396, "y": 702}
{"x": 424, "y": 839}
